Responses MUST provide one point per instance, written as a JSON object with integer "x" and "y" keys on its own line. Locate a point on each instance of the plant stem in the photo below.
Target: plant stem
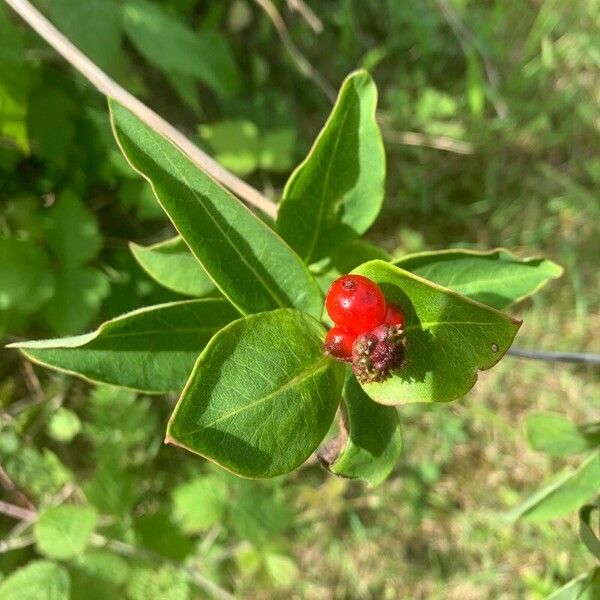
{"x": 103, "y": 83}
{"x": 574, "y": 357}
{"x": 17, "y": 512}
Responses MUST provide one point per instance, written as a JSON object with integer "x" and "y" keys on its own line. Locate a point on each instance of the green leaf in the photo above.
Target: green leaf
{"x": 27, "y": 282}
{"x": 151, "y": 349}
{"x": 584, "y": 587}
{"x": 158, "y": 583}
{"x": 235, "y": 144}
{"x": 496, "y": 278}
{"x": 112, "y": 490}
{"x": 261, "y": 396}
{"x": 159, "y": 533}
{"x": 370, "y": 441}
{"x": 449, "y": 338}
{"x": 64, "y": 425}
{"x": 79, "y": 294}
{"x": 172, "y": 265}
{"x": 94, "y": 27}
{"x": 242, "y": 148}
{"x": 98, "y": 574}
{"x": 563, "y": 495}
{"x": 281, "y": 569}
{"x": 336, "y": 193}
{"x": 558, "y": 436}
{"x": 171, "y": 46}
{"x": 38, "y": 580}
{"x": 72, "y": 231}
{"x": 586, "y": 531}
{"x": 247, "y": 261}
{"x": 15, "y": 81}
{"x": 200, "y": 503}
{"x": 64, "y": 532}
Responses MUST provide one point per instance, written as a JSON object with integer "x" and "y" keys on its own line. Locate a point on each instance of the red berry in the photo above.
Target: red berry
{"x": 355, "y": 303}
{"x": 394, "y": 316}
{"x": 339, "y": 342}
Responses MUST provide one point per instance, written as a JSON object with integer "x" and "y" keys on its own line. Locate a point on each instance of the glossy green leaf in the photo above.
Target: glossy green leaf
{"x": 563, "y": 495}
{"x": 558, "y": 436}
{"x": 370, "y": 441}
{"x": 64, "y": 531}
{"x": 151, "y": 349}
{"x": 584, "y": 587}
{"x": 336, "y": 193}
{"x": 172, "y": 265}
{"x": 38, "y": 580}
{"x": 496, "y": 278}
{"x": 586, "y": 531}
{"x": 248, "y": 262}
{"x": 449, "y": 338}
{"x": 261, "y": 396}
{"x": 173, "y": 47}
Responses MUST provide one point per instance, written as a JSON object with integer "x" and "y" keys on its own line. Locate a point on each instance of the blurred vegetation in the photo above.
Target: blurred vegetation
{"x": 491, "y": 116}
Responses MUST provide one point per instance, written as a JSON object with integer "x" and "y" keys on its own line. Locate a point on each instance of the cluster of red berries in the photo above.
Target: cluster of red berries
{"x": 368, "y": 331}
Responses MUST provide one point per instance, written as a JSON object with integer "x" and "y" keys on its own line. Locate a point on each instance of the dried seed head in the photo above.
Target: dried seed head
{"x": 377, "y": 354}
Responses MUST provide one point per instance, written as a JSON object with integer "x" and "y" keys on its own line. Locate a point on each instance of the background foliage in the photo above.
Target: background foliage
{"x": 511, "y": 89}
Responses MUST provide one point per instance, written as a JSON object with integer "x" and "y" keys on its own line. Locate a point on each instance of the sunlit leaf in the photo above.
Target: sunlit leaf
{"x": 261, "y": 396}
{"x": 248, "y": 262}
{"x": 336, "y": 193}
{"x": 449, "y": 338}
{"x": 150, "y": 349}
{"x": 496, "y": 278}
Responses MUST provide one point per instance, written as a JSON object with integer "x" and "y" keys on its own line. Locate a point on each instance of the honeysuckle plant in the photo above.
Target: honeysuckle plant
{"x": 244, "y": 350}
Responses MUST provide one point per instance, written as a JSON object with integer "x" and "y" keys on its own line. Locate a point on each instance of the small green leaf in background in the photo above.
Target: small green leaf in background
{"x": 72, "y": 230}
{"x": 172, "y": 265}
{"x": 584, "y": 587}
{"x": 373, "y": 440}
{"x": 38, "y": 580}
{"x": 64, "y": 425}
{"x": 15, "y": 81}
{"x": 163, "y": 582}
{"x": 258, "y": 515}
{"x": 97, "y": 574}
{"x": 112, "y": 490}
{"x": 586, "y": 531}
{"x": 563, "y": 495}
{"x": 496, "y": 278}
{"x": 261, "y": 396}
{"x": 248, "y": 261}
{"x": 158, "y": 532}
{"x": 449, "y": 338}
{"x": 240, "y": 147}
{"x": 27, "y": 281}
{"x": 94, "y": 26}
{"x": 150, "y": 349}
{"x": 64, "y": 531}
{"x": 556, "y": 435}
{"x": 281, "y": 569}
{"x": 74, "y": 239}
{"x": 200, "y": 503}
{"x": 178, "y": 51}
{"x": 336, "y": 193}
